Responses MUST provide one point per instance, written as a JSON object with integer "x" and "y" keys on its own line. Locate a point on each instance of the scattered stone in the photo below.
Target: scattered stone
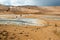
{"x": 5, "y": 33}
{"x": 37, "y": 28}
{"x": 13, "y": 34}
{"x": 0, "y": 38}
{"x": 55, "y": 25}
{"x": 12, "y": 38}
{"x": 27, "y": 35}
{"x": 21, "y": 33}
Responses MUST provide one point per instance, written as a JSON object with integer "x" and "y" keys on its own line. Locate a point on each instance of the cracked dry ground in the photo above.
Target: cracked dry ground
{"x": 14, "y": 32}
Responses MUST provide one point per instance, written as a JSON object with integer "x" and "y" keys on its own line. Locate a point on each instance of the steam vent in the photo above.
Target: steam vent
{"x": 29, "y": 22}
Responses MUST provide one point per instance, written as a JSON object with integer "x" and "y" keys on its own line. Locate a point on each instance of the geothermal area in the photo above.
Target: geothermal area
{"x": 29, "y": 22}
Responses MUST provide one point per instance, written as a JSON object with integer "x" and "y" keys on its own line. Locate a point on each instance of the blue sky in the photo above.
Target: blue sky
{"x": 31, "y": 2}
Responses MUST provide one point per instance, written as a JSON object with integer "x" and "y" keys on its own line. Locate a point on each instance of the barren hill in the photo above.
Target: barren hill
{"x": 30, "y": 9}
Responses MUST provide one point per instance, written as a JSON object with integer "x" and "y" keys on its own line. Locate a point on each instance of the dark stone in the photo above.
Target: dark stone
{"x": 0, "y": 38}
{"x": 27, "y": 35}
{"x": 55, "y": 25}
{"x": 21, "y": 33}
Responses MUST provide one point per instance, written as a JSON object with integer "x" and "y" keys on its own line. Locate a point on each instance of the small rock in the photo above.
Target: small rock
{"x": 21, "y": 33}
{"x": 27, "y": 35}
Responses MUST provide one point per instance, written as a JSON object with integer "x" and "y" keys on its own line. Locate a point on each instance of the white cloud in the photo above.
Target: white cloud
{"x": 22, "y": 2}
{"x": 17, "y": 2}
{"x": 30, "y": 2}
{"x": 6, "y": 2}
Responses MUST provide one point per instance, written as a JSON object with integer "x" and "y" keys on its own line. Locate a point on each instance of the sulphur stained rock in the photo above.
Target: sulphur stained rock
{"x": 24, "y": 21}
